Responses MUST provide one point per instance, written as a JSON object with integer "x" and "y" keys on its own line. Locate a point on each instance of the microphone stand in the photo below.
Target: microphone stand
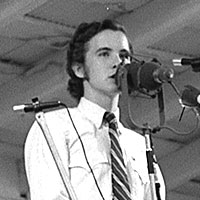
{"x": 40, "y": 118}
{"x": 154, "y": 184}
{"x": 127, "y": 120}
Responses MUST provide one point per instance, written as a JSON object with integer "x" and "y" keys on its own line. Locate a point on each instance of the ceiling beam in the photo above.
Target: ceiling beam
{"x": 10, "y": 10}
{"x": 8, "y": 71}
{"x": 53, "y": 27}
{"x": 157, "y": 19}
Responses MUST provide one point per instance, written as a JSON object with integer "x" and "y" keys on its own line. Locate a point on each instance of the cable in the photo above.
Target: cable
{"x": 84, "y": 152}
{"x": 159, "y": 128}
{"x": 175, "y": 88}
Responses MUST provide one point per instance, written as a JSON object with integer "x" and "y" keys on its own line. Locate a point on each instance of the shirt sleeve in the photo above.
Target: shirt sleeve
{"x": 43, "y": 176}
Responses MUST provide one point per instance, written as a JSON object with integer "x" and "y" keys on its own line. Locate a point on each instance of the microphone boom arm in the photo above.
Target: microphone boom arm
{"x": 144, "y": 130}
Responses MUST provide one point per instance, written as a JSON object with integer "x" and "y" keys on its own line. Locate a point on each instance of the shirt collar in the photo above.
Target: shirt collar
{"x": 94, "y": 112}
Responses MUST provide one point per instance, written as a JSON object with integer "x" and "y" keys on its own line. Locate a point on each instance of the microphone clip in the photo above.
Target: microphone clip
{"x": 36, "y": 104}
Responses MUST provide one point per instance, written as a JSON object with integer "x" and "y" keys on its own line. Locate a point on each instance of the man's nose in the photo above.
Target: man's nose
{"x": 117, "y": 61}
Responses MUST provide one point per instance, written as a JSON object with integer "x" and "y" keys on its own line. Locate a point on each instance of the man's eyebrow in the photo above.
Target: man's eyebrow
{"x": 103, "y": 49}
{"x": 125, "y": 51}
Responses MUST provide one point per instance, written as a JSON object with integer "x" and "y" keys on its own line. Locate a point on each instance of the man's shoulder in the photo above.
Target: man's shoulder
{"x": 58, "y": 122}
{"x": 57, "y": 119}
{"x": 62, "y": 114}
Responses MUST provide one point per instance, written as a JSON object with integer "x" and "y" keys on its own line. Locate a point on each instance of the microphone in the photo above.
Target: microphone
{"x": 149, "y": 76}
{"x": 190, "y": 96}
{"x": 182, "y": 61}
{"x": 194, "y": 62}
{"x": 36, "y": 107}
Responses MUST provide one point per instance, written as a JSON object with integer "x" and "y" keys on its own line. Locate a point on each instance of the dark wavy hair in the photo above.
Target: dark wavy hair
{"x": 78, "y": 48}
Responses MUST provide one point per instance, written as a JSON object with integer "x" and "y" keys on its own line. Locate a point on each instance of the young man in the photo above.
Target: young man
{"x": 94, "y": 55}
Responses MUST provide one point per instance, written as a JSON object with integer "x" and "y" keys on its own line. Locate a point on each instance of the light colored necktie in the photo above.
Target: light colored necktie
{"x": 120, "y": 185}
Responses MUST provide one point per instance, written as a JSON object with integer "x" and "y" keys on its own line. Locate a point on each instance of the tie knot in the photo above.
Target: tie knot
{"x": 112, "y": 121}
{"x": 110, "y": 118}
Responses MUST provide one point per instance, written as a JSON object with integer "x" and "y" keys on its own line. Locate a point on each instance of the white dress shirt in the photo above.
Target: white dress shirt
{"x": 43, "y": 177}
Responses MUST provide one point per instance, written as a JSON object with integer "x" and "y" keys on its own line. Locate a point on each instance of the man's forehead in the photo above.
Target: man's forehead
{"x": 111, "y": 39}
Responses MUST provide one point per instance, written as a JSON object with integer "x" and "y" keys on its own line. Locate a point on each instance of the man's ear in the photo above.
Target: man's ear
{"x": 78, "y": 70}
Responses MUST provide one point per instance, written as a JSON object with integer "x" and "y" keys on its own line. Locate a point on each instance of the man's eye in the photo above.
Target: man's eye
{"x": 125, "y": 56}
{"x": 104, "y": 54}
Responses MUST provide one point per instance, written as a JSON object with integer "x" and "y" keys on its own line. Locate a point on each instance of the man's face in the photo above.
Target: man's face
{"x": 106, "y": 50}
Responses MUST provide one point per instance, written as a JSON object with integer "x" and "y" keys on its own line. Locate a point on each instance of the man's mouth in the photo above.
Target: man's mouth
{"x": 113, "y": 76}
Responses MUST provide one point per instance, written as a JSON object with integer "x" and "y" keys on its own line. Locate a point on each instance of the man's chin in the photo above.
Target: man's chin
{"x": 114, "y": 92}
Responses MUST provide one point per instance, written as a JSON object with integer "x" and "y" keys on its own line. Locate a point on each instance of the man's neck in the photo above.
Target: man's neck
{"x": 109, "y": 103}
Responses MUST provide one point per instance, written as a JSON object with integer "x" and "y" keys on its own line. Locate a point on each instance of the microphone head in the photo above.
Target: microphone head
{"x": 141, "y": 76}
{"x": 132, "y": 78}
{"x": 190, "y": 96}
{"x": 147, "y": 78}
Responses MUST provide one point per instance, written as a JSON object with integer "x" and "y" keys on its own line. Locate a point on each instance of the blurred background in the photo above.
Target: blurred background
{"x": 34, "y": 36}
